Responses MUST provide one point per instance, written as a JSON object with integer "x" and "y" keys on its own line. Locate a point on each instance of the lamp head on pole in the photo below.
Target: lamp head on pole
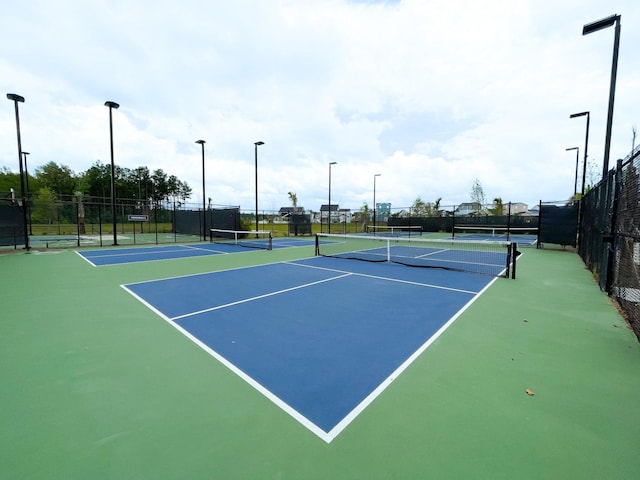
{"x": 581, "y": 114}
{"x": 112, "y": 105}
{"x": 201, "y": 142}
{"x": 600, "y": 24}
{"x": 15, "y": 97}
{"x": 258, "y": 143}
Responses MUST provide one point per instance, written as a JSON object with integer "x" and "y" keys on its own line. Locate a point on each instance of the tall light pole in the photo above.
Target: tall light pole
{"x": 586, "y": 144}
{"x": 586, "y": 30}
{"x": 256, "y": 150}
{"x": 330, "y": 163}
{"x": 18, "y": 99}
{"x": 204, "y": 205}
{"x": 26, "y": 176}
{"x": 111, "y": 106}
{"x": 575, "y": 183}
{"x": 374, "y": 202}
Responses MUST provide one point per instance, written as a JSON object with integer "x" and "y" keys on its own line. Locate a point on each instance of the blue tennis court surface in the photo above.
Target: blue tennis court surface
{"x": 116, "y": 256}
{"x": 320, "y": 337}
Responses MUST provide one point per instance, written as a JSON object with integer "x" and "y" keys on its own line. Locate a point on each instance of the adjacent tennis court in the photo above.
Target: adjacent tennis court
{"x": 118, "y": 256}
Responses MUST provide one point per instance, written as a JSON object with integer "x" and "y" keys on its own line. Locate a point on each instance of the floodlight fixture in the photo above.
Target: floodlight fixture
{"x": 15, "y": 98}
{"x": 586, "y": 30}
{"x": 111, "y": 106}
{"x": 600, "y": 24}
{"x": 586, "y": 145}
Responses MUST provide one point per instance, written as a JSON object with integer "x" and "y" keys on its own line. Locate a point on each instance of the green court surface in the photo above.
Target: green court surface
{"x": 94, "y": 385}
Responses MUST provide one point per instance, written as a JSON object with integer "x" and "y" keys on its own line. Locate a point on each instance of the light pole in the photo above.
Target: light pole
{"x": 586, "y": 144}
{"x": 204, "y": 206}
{"x": 330, "y": 163}
{"x": 586, "y": 30}
{"x": 18, "y": 99}
{"x": 111, "y": 106}
{"x": 575, "y": 183}
{"x": 256, "y": 150}
{"x": 374, "y": 202}
{"x": 26, "y": 176}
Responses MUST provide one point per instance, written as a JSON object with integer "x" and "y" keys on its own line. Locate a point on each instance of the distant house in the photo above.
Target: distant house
{"x": 344, "y": 215}
{"x": 517, "y": 208}
{"x": 466, "y": 209}
{"x": 326, "y": 213}
{"x": 286, "y": 212}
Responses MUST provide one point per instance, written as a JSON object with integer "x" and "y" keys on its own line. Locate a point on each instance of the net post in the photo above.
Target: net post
{"x": 388, "y": 250}
{"x": 508, "y": 266}
{"x": 270, "y": 247}
{"x": 317, "y": 243}
{"x": 514, "y": 256}
{"x": 509, "y": 223}
{"x": 453, "y": 222}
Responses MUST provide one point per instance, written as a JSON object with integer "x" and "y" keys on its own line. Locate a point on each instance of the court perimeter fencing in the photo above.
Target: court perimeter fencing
{"x": 58, "y": 221}
{"x": 609, "y": 235}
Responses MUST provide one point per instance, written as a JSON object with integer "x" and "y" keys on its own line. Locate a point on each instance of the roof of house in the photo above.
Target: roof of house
{"x": 325, "y": 207}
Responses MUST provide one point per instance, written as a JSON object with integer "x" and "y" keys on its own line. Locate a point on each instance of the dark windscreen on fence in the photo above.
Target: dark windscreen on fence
{"x": 11, "y": 226}
{"x": 558, "y": 224}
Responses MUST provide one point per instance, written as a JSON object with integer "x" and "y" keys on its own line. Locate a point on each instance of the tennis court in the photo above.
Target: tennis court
{"x": 324, "y": 362}
{"x": 118, "y": 256}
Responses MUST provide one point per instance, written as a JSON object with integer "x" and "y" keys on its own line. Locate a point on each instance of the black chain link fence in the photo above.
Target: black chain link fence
{"x": 58, "y": 221}
{"x": 609, "y": 240}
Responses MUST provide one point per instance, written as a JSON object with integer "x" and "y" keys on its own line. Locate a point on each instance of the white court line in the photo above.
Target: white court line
{"x": 278, "y": 292}
{"x": 429, "y": 285}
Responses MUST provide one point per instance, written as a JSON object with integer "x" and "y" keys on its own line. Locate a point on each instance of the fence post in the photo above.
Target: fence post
{"x": 611, "y": 238}
{"x": 539, "y": 224}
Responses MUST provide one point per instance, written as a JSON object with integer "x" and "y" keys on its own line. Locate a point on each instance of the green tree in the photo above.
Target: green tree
{"x": 160, "y": 190}
{"x": 428, "y": 209}
{"x": 498, "y": 207}
{"x": 45, "y": 208}
{"x": 96, "y": 181}
{"x": 418, "y": 209}
{"x": 362, "y": 216}
{"x": 477, "y": 195}
{"x": 58, "y": 179}
{"x": 9, "y": 180}
{"x": 294, "y": 200}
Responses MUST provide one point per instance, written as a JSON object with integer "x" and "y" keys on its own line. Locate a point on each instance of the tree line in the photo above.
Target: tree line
{"x": 139, "y": 184}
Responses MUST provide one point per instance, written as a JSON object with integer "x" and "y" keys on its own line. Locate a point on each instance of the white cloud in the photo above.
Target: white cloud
{"x": 430, "y": 94}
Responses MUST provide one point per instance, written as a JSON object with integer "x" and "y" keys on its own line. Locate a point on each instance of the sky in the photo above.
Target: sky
{"x": 429, "y": 94}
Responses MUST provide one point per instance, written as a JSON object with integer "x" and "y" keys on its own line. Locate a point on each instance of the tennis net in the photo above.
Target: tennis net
{"x": 490, "y": 232}
{"x": 395, "y": 230}
{"x": 243, "y": 238}
{"x": 489, "y": 258}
